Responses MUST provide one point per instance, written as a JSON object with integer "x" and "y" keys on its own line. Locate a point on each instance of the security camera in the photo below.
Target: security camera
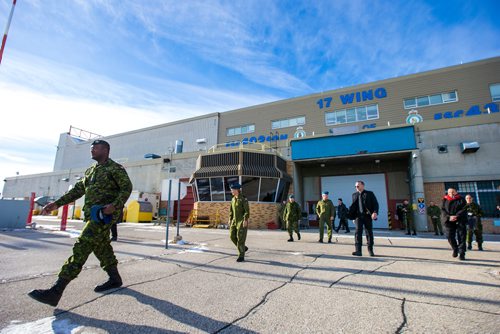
{"x": 414, "y": 155}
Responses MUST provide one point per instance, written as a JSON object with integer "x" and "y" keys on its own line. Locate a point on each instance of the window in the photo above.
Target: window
{"x": 288, "y": 122}
{"x": 268, "y": 189}
{"x": 203, "y": 186}
{"x": 250, "y": 187}
{"x": 495, "y": 92}
{"x": 352, "y": 115}
{"x": 217, "y": 186}
{"x": 240, "y": 130}
{"x": 484, "y": 193}
{"x": 430, "y": 100}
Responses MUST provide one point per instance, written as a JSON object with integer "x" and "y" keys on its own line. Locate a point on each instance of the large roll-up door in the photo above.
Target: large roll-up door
{"x": 343, "y": 187}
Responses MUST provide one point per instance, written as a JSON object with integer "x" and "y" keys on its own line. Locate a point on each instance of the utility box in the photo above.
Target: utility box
{"x": 139, "y": 212}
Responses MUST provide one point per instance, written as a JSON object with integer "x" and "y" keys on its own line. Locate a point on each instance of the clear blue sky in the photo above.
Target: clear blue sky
{"x": 118, "y": 65}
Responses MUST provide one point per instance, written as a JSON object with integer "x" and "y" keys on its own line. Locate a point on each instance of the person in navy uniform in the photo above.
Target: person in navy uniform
{"x": 363, "y": 210}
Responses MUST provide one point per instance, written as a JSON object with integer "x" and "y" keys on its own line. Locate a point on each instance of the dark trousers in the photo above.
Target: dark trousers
{"x": 343, "y": 222}
{"x": 366, "y": 223}
{"x": 114, "y": 231}
{"x": 456, "y": 233}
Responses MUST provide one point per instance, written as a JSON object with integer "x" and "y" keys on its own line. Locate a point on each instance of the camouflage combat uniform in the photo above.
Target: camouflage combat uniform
{"x": 474, "y": 225}
{"x": 406, "y": 216}
{"x": 434, "y": 212}
{"x": 291, "y": 215}
{"x": 238, "y": 213}
{"x": 103, "y": 184}
{"x": 325, "y": 210}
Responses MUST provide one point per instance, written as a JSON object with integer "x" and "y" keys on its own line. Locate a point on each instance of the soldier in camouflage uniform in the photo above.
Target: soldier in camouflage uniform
{"x": 105, "y": 184}
{"x": 406, "y": 217}
{"x": 434, "y": 212}
{"x": 291, "y": 215}
{"x": 238, "y": 220}
{"x": 474, "y": 225}
{"x": 326, "y": 213}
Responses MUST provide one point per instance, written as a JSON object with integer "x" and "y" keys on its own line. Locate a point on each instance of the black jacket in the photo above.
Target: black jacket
{"x": 454, "y": 207}
{"x": 342, "y": 211}
{"x": 370, "y": 204}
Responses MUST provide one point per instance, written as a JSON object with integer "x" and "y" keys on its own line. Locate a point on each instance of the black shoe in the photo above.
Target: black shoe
{"x": 480, "y": 247}
{"x": 240, "y": 259}
{"x": 50, "y": 296}
{"x": 435, "y": 234}
{"x": 370, "y": 251}
{"x": 462, "y": 257}
{"x": 320, "y": 240}
{"x": 298, "y": 236}
{"x": 290, "y": 240}
{"x": 357, "y": 253}
{"x": 246, "y": 249}
{"x": 469, "y": 246}
{"x": 455, "y": 253}
{"x": 114, "y": 238}
{"x": 414, "y": 233}
{"x": 347, "y": 231}
{"x": 408, "y": 233}
{"x": 329, "y": 241}
{"x": 336, "y": 231}
{"x": 114, "y": 281}
{"x": 441, "y": 233}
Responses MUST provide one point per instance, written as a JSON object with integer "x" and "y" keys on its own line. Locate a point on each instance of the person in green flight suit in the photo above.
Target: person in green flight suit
{"x": 106, "y": 187}
{"x": 474, "y": 225}
{"x": 238, "y": 220}
{"x": 291, "y": 215}
{"x": 326, "y": 213}
{"x": 434, "y": 212}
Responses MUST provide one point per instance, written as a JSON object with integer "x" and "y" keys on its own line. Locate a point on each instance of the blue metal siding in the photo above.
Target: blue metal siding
{"x": 398, "y": 139}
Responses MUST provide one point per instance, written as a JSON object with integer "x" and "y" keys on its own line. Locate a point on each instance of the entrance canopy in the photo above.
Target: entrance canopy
{"x": 369, "y": 142}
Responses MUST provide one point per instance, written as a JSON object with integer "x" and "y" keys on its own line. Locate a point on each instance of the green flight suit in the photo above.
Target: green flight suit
{"x": 434, "y": 212}
{"x": 325, "y": 211}
{"x": 292, "y": 215}
{"x": 474, "y": 225}
{"x": 238, "y": 213}
{"x": 103, "y": 184}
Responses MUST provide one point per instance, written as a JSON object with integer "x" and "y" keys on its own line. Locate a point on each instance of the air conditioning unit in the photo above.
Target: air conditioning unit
{"x": 469, "y": 147}
{"x": 201, "y": 140}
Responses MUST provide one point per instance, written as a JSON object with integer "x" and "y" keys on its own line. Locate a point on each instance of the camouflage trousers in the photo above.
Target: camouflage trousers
{"x": 293, "y": 226}
{"x": 93, "y": 239}
{"x": 238, "y": 235}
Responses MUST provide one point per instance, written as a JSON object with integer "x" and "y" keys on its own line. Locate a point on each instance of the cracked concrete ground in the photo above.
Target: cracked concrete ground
{"x": 413, "y": 285}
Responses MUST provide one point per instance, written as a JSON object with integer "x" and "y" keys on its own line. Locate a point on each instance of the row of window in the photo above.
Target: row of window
{"x": 255, "y": 189}
{"x": 485, "y": 193}
{"x": 363, "y": 113}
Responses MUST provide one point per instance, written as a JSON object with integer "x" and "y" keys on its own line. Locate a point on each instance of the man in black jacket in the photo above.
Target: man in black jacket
{"x": 454, "y": 217}
{"x": 364, "y": 209}
{"x": 342, "y": 214}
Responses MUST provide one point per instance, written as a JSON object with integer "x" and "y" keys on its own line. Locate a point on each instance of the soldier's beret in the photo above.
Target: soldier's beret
{"x": 235, "y": 186}
{"x": 100, "y": 142}
{"x": 340, "y": 199}
{"x": 97, "y": 215}
{"x": 325, "y": 192}
{"x": 291, "y": 196}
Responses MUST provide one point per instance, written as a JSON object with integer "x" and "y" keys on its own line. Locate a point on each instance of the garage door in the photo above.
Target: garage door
{"x": 343, "y": 187}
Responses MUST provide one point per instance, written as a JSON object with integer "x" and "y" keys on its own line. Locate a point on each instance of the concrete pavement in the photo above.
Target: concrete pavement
{"x": 412, "y": 286}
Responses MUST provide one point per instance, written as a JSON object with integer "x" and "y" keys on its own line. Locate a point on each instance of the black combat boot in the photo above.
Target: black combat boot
{"x": 469, "y": 246}
{"x": 480, "y": 247}
{"x": 357, "y": 253}
{"x": 291, "y": 239}
{"x": 329, "y": 240}
{"x": 320, "y": 240}
{"x": 298, "y": 236}
{"x": 114, "y": 281}
{"x": 370, "y": 251}
{"x": 50, "y": 296}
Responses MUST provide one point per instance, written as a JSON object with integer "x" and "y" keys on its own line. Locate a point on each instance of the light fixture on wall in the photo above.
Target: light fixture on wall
{"x": 322, "y": 165}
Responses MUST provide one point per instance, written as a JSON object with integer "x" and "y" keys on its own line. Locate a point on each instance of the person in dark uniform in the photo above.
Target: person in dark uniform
{"x": 454, "y": 217}
{"x": 106, "y": 187}
{"x": 434, "y": 212}
{"x": 363, "y": 210}
{"x": 405, "y": 215}
{"x": 342, "y": 214}
{"x": 474, "y": 225}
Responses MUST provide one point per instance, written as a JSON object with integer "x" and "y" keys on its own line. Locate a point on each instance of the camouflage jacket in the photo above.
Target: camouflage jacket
{"x": 474, "y": 209}
{"x": 434, "y": 211}
{"x": 239, "y": 210}
{"x": 103, "y": 184}
{"x": 292, "y": 212}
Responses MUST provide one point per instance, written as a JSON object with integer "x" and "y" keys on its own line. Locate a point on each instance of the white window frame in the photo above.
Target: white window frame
{"x": 495, "y": 98}
{"x": 285, "y": 122}
{"x": 233, "y": 131}
{"x": 333, "y": 114}
{"x": 444, "y": 97}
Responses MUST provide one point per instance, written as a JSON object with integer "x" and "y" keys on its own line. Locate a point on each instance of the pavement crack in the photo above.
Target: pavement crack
{"x": 384, "y": 265}
{"x": 405, "y": 320}
{"x": 354, "y": 273}
{"x": 262, "y": 302}
{"x": 302, "y": 269}
{"x": 388, "y": 239}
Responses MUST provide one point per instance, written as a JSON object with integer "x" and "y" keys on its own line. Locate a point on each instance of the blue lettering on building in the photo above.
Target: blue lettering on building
{"x": 475, "y": 110}
{"x": 259, "y": 139}
{"x": 369, "y": 126}
{"x": 361, "y": 96}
